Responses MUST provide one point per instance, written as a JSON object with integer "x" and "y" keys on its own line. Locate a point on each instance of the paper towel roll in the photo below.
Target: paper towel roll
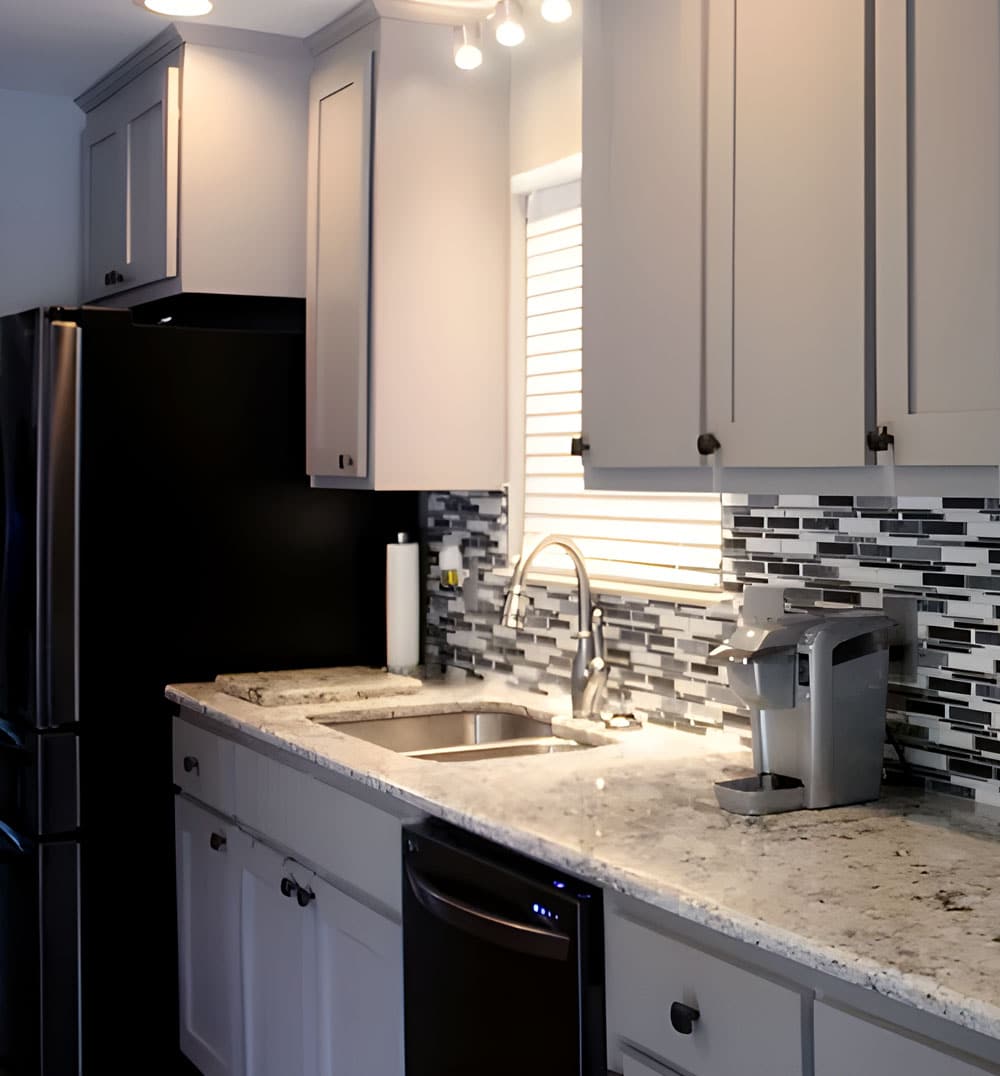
{"x": 402, "y": 604}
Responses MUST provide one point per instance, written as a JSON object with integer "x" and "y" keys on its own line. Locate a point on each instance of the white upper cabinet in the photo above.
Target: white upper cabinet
{"x": 130, "y": 182}
{"x": 194, "y": 168}
{"x": 724, "y": 196}
{"x": 407, "y": 263}
{"x": 937, "y": 156}
{"x": 643, "y": 166}
{"x": 785, "y": 311}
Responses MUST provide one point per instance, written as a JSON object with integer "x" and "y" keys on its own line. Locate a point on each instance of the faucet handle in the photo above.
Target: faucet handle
{"x": 597, "y": 630}
{"x": 515, "y": 608}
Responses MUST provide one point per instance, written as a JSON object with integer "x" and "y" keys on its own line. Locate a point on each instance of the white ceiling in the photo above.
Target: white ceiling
{"x": 63, "y": 46}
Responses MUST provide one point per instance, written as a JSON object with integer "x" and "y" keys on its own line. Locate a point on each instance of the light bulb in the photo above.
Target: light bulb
{"x": 556, "y": 10}
{"x": 177, "y": 8}
{"x": 510, "y": 29}
{"x": 468, "y": 47}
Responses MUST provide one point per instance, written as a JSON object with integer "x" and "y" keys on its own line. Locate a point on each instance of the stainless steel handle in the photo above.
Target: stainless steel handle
{"x": 58, "y": 526}
{"x": 507, "y": 933}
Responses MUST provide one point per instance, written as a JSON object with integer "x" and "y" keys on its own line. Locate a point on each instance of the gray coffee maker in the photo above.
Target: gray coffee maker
{"x": 816, "y": 686}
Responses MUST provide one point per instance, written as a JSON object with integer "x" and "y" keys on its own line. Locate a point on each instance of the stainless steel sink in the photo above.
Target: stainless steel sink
{"x": 459, "y": 737}
{"x": 551, "y": 745}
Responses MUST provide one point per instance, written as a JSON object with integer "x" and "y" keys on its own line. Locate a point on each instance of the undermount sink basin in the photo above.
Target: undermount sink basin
{"x": 460, "y": 737}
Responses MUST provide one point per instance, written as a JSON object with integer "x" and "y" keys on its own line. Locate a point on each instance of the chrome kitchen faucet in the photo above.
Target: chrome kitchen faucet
{"x": 590, "y": 666}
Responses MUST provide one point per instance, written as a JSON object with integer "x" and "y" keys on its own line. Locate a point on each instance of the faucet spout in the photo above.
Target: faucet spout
{"x": 590, "y": 672}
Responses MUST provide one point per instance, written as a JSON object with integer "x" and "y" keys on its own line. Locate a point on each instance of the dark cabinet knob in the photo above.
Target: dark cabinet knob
{"x": 683, "y": 1018}
{"x": 288, "y": 887}
{"x": 708, "y": 444}
{"x": 113, "y": 277}
{"x": 305, "y": 897}
{"x": 191, "y": 765}
{"x": 217, "y": 841}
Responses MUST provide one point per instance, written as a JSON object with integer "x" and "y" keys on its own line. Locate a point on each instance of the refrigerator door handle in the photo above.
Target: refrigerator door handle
{"x": 58, "y": 533}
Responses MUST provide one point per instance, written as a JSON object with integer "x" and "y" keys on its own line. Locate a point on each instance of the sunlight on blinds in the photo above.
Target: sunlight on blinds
{"x": 637, "y": 538}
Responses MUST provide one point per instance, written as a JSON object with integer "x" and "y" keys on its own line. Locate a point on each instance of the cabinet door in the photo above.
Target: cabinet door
{"x": 848, "y": 1044}
{"x": 150, "y": 125}
{"x": 338, "y": 269}
{"x": 131, "y": 172}
{"x": 208, "y": 941}
{"x": 277, "y": 961}
{"x": 788, "y": 361}
{"x": 643, "y": 124}
{"x": 938, "y": 228}
{"x": 359, "y": 987}
{"x": 104, "y": 190}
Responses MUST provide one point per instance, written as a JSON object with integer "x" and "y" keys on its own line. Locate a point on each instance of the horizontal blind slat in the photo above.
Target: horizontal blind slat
{"x": 562, "y": 280}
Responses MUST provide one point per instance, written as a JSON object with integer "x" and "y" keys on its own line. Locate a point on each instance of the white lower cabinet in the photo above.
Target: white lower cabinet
{"x": 277, "y": 954}
{"x": 321, "y": 974}
{"x": 686, "y": 1008}
{"x": 847, "y": 1044}
{"x": 360, "y": 987}
{"x": 208, "y": 941}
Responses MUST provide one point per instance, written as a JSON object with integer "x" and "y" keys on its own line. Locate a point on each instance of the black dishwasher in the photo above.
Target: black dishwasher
{"x": 503, "y": 962}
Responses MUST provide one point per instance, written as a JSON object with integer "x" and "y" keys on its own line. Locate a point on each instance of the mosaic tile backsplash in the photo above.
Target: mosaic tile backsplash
{"x": 852, "y": 550}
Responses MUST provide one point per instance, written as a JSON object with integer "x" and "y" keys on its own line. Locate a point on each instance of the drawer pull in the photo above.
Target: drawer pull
{"x": 217, "y": 841}
{"x": 191, "y": 765}
{"x": 683, "y": 1018}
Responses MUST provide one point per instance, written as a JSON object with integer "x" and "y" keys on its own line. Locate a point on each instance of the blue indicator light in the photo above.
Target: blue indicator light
{"x": 534, "y": 908}
{"x": 559, "y": 885}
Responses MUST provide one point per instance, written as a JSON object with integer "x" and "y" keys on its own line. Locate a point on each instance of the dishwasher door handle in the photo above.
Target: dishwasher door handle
{"x": 508, "y": 933}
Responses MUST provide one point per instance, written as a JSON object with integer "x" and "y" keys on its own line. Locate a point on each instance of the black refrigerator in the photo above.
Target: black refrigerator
{"x": 157, "y": 526}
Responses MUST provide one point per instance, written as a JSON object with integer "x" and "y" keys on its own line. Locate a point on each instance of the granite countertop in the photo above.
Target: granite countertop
{"x": 901, "y": 896}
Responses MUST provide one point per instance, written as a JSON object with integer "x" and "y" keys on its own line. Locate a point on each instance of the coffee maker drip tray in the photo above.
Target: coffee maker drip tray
{"x": 764, "y": 793}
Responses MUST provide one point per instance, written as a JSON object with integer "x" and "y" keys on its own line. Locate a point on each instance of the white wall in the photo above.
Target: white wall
{"x": 546, "y": 91}
{"x": 40, "y": 226}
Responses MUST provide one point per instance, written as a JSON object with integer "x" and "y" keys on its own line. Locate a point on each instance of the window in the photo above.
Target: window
{"x": 632, "y": 540}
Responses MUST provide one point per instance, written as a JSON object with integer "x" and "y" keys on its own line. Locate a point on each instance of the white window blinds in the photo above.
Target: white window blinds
{"x": 654, "y": 540}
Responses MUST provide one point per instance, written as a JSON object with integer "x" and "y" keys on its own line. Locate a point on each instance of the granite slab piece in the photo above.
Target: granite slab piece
{"x": 295, "y": 687}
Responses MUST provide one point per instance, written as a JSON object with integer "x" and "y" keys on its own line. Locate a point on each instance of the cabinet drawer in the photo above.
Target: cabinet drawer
{"x": 352, "y": 841}
{"x": 203, "y": 765}
{"x": 747, "y": 1025}
{"x": 848, "y": 1044}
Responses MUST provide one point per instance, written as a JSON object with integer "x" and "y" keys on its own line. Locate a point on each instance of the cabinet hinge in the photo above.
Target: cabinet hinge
{"x": 578, "y": 446}
{"x": 880, "y": 439}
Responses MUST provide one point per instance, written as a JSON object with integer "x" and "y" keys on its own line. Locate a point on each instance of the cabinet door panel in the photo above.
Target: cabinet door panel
{"x": 938, "y": 218}
{"x": 642, "y": 217}
{"x": 277, "y": 948}
{"x": 208, "y": 940}
{"x": 788, "y": 386}
{"x": 848, "y": 1044}
{"x": 360, "y": 984}
{"x": 338, "y": 357}
{"x": 150, "y": 124}
{"x": 104, "y": 176}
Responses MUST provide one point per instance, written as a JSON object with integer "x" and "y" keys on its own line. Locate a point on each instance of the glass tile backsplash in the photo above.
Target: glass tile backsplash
{"x": 945, "y": 551}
